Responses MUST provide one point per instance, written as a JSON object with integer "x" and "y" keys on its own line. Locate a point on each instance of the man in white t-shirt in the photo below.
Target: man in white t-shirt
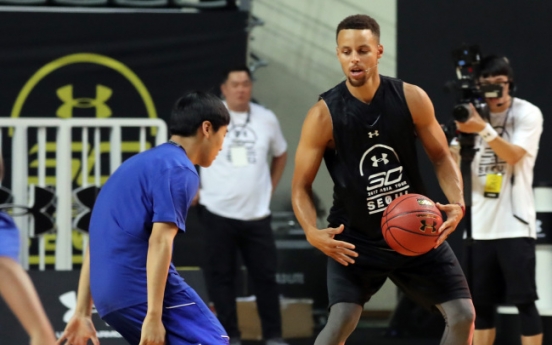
{"x": 235, "y": 194}
{"x": 503, "y": 210}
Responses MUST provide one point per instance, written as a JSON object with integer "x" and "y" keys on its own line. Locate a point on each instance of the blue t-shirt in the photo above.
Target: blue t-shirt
{"x": 157, "y": 185}
{"x": 9, "y": 237}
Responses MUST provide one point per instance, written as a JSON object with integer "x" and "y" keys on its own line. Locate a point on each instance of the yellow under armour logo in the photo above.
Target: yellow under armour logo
{"x": 65, "y": 93}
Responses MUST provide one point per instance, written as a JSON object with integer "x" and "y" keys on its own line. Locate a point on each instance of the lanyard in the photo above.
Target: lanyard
{"x": 504, "y": 128}
{"x": 247, "y": 119}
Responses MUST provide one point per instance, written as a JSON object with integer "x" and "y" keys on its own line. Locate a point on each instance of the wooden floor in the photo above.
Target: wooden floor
{"x": 362, "y": 336}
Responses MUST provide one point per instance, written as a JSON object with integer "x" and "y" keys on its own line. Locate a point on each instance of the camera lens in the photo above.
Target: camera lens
{"x": 461, "y": 112}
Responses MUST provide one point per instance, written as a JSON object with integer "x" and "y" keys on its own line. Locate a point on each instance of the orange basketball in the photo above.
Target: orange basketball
{"x": 410, "y": 223}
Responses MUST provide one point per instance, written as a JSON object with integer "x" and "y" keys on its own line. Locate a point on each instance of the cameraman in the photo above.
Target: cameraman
{"x": 503, "y": 211}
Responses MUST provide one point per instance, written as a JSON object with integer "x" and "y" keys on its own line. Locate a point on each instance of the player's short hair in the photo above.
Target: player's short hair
{"x": 239, "y": 68}
{"x": 494, "y": 65}
{"x": 359, "y": 22}
{"x": 192, "y": 109}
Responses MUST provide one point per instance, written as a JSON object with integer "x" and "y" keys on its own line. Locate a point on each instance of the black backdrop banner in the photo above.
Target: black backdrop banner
{"x": 113, "y": 64}
{"x": 107, "y": 63}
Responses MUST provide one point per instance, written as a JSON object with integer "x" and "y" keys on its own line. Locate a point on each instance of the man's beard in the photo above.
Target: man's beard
{"x": 357, "y": 83}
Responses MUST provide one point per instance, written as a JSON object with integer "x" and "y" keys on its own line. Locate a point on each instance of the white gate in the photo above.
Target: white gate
{"x": 91, "y": 131}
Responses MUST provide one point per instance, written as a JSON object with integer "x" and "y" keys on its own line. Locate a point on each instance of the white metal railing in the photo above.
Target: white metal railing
{"x": 64, "y": 129}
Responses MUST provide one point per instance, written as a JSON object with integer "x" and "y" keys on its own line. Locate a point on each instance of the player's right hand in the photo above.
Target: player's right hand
{"x": 340, "y": 251}
{"x": 78, "y": 331}
{"x": 153, "y": 331}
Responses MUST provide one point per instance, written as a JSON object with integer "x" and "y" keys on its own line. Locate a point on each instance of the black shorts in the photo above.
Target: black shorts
{"x": 504, "y": 271}
{"x": 433, "y": 278}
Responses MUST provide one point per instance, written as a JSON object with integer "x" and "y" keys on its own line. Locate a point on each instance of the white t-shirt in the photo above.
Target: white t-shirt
{"x": 238, "y": 185}
{"x": 512, "y": 214}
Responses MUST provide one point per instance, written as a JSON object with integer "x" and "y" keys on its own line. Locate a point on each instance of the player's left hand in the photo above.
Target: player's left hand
{"x": 78, "y": 331}
{"x": 153, "y": 331}
{"x": 454, "y": 216}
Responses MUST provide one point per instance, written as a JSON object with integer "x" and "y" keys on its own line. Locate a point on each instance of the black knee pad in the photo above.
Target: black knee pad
{"x": 530, "y": 320}
{"x": 485, "y": 316}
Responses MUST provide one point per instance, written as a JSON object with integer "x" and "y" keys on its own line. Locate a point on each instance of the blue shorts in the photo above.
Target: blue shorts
{"x": 187, "y": 321}
{"x": 9, "y": 237}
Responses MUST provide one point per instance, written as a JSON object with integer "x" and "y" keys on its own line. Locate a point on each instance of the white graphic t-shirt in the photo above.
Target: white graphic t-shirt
{"x": 238, "y": 185}
{"x": 512, "y": 214}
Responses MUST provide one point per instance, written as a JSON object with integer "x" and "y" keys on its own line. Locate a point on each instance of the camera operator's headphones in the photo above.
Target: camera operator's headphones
{"x": 512, "y": 88}
{"x": 499, "y": 65}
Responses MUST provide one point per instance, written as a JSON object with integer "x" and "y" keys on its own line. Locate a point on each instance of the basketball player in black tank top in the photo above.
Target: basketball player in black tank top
{"x": 365, "y": 129}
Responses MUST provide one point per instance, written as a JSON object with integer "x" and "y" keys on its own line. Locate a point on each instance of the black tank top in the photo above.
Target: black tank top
{"x": 374, "y": 160}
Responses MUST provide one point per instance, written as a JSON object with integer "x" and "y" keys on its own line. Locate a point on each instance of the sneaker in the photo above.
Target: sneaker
{"x": 276, "y": 341}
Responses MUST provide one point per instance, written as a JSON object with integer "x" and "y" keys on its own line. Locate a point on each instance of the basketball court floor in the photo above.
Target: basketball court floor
{"x": 370, "y": 331}
{"x": 361, "y": 336}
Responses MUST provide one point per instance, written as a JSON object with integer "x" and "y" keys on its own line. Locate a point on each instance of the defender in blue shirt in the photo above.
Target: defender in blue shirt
{"x": 128, "y": 270}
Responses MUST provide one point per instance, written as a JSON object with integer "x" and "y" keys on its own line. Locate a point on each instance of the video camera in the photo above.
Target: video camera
{"x": 466, "y": 60}
{"x": 467, "y": 89}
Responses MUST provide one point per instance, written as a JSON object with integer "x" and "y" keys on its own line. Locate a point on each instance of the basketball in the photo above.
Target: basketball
{"x": 409, "y": 224}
